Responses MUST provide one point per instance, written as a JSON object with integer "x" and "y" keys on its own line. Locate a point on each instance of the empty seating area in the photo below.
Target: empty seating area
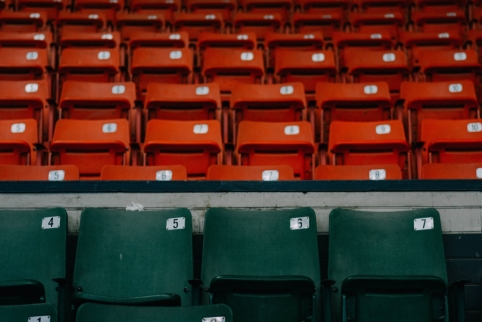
{"x": 316, "y": 85}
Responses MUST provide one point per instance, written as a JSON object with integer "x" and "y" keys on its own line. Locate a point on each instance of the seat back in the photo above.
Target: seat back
{"x": 433, "y": 21}
{"x": 38, "y": 173}
{"x": 128, "y": 23}
{"x": 80, "y": 22}
{"x": 387, "y": 264}
{"x": 158, "y": 173}
{"x": 324, "y": 22}
{"x": 122, "y": 257}
{"x": 254, "y": 173}
{"x": 89, "y": 40}
{"x": 258, "y": 22}
{"x": 156, "y": 39}
{"x": 237, "y": 241}
{"x": 358, "y": 172}
{"x": 194, "y": 23}
{"x": 23, "y": 21}
{"x": 51, "y": 9}
{"x": 107, "y": 7}
{"x": 17, "y": 140}
{"x": 23, "y": 63}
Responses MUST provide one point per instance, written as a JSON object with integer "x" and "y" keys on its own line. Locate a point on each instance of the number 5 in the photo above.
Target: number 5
{"x": 175, "y": 224}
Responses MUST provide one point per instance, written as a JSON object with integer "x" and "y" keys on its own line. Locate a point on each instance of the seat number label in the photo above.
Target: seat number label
{"x": 214, "y": 319}
{"x": 270, "y": 175}
{"x": 51, "y": 222}
{"x": 44, "y": 318}
{"x": 56, "y": 175}
{"x": 474, "y": 127}
{"x": 423, "y": 223}
{"x": 176, "y": 223}
{"x": 164, "y": 175}
{"x": 300, "y": 223}
{"x": 377, "y": 174}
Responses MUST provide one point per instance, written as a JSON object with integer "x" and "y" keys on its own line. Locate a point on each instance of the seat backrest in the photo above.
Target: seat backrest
{"x": 274, "y": 42}
{"x": 254, "y": 173}
{"x": 154, "y": 173}
{"x": 128, "y": 23}
{"x": 38, "y": 173}
{"x": 258, "y": 22}
{"x": 436, "y": 40}
{"x": 89, "y": 40}
{"x": 237, "y": 241}
{"x": 156, "y": 39}
{"x": 358, "y": 172}
{"x": 24, "y": 99}
{"x": 17, "y": 139}
{"x": 18, "y": 21}
{"x": 80, "y": 22}
{"x": 51, "y": 9}
{"x": 387, "y": 253}
{"x": 429, "y": 21}
{"x": 324, "y": 22}
{"x": 26, "y": 39}
{"x": 91, "y": 312}
{"x": 23, "y": 63}
{"x": 381, "y": 40}
{"x": 122, "y": 257}
{"x": 33, "y": 247}
{"x": 444, "y": 171}
{"x": 194, "y": 23}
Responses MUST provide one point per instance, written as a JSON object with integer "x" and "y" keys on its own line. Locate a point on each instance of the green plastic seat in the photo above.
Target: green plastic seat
{"x": 134, "y": 257}
{"x": 32, "y": 253}
{"x": 263, "y": 264}
{"x": 387, "y": 266}
{"x": 92, "y": 312}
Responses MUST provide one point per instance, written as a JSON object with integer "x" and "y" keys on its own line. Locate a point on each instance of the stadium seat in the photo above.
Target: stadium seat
{"x": 183, "y": 102}
{"x": 38, "y": 173}
{"x": 160, "y": 65}
{"x": 51, "y": 8}
{"x": 369, "y": 143}
{"x": 439, "y": 5}
{"x": 80, "y": 22}
{"x": 380, "y": 6}
{"x": 128, "y": 23}
{"x": 307, "y": 67}
{"x": 403, "y": 271}
{"x": 326, "y": 23}
{"x": 107, "y": 7}
{"x": 166, "y": 8}
{"x": 280, "y": 143}
{"x": 285, "y": 286}
{"x": 447, "y": 65}
{"x": 324, "y": 6}
{"x": 450, "y": 141}
{"x": 194, "y": 144}
{"x": 267, "y": 103}
{"x": 24, "y": 64}
{"x": 31, "y": 236}
{"x": 250, "y": 173}
{"x": 92, "y": 312}
{"x": 344, "y": 41}
{"x": 195, "y": 23}
{"x": 122, "y": 258}
{"x": 412, "y": 41}
{"x": 232, "y": 67}
{"x": 154, "y": 173}
{"x": 358, "y": 172}
{"x": 282, "y": 7}
{"x": 259, "y": 23}
{"x": 223, "y": 7}
{"x": 431, "y": 21}
{"x": 388, "y": 21}
{"x": 156, "y": 39}
{"x": 89, "y": 40}
{"x": 274, "y": 43}
{"x": 437, "y": 100}
{"x": 206, "y": 40}
{"x": 22, "y": 21}
{"x": 452, "y": 171}
{"x": 18, "y": 139}
{"x": 90, "y": 144}
{"x": 361, "y": 102}
{"x": 364, "y": 66}
{"x": 26, "y": 39}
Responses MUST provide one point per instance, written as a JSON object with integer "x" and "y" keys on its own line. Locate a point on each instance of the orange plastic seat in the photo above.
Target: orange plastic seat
{"x": 154, "y": 39}
{"x": 448, "y": 65}
{"x": 24, "y": 64}
{"x": 195, "y": 23}
{"x": 90, "y": 145}
{"x": 437, "y": 100}
{"x": 380, "y": 65}
{"x": 26, "y": 100}
{"x": 89, "y": 40}
{"x": 324, "y": 6}
{"x": 358, "y": 172}
{"x": 306, "y": 67}
{"x": 167, "y": 8}
{"x": 183, "y": 102}
{"x": 444, "y": 171}
{"x": 388, "y": 21}
{"x": 41, "y": 40}
{"x": 223, "y": 7}
{"x": 326, "y": 23}
{"x": 38, "y": 173}
{"x": 414, "y": 41}
{"x": 80, "y": 22}
{"x": 267, "y": 103}
{"x": 282, "y": 7}
{"x": 160, "y": 65}
{"x": 274, "y": 42}
{"x": 194, "y": 144}
{"x": 259, "y": 23}
{"x": 345, "y": 41}
{"x": 107, "y": 7}
{"x": 22, "y": 21}
{"x": 439, "y": 5}
{"x": 17, "y": 141}
{"x": 51, "y": 8}
{"x": 251, "y": 173}
{"x": 128, "y": 23}
{"x": 231, "y": 67}
{"x": 369, "y": 143}
{"x": 362, "y": 102}
{"x": 439, "y": 21}
{"x": 216, "y": 40}
{"x": 381, "y": 6}
{"x": 278, "y": 143}
{"x": 154, "y": 173}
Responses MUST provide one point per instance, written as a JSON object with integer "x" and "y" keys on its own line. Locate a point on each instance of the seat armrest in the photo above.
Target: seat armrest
{"x": 18, "y": 292}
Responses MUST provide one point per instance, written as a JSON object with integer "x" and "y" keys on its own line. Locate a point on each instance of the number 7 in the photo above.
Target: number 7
{"x": 424, "y": 220}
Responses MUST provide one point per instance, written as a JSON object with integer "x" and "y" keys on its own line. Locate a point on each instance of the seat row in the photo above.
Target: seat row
{"x": 255, "y": 264}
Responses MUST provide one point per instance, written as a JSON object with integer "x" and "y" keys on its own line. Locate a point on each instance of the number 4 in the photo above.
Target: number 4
{"x": 51, "y": 222}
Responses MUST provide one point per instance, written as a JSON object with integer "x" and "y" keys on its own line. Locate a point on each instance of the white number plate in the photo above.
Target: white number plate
{"x": 377, "y": 174}
{"x": 56, "y": 175}
{"x": 176, "y": 223}
{"x": 51, "y": 222}
{"x": 270, "y": 175}
{"x": 45, "y": 318}
{"x": 423, "y": 223}
{"x": 300, "y": 223}
{"x": 164, "y": 175}
{"x": 214, "y": 319}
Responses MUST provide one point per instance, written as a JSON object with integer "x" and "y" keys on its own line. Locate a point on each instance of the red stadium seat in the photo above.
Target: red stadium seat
{"x": 414, "y": 41}
{"x": 160, "y": 65}
{"x": 369, "y": 143}
{"x": 231, "y": 67}
{"x": 362, "y": 102}
{"x": 324, "y": 6}
{"x": 251, "y": 173}
{"x": 259, "y": 23}
{"x": 437, "y": 100}
{"x": 431, "y": 21}
{"x": 194, "y": 144}
{"x": 438, "y": 5}
{"x": 107, "y": 7}
{"x": 195, "y": 23}
{"x": 358, "y": 172}
{"x": 22, "y": 21}
{"x": 38, "y": 173}
{"x": 89, "y": 40}
{"x": 90, "y": 145}
{"x": 128, "y": 23}
{"x": 282, "y": 7}
{"x": 154, "y": 39}
{"x": 388, "y": 21}
{"x": 183, "y": 102}
{"x": 216, "y": 40}
{"x": 80, "y": 22}
{"x": 24, "y": 64}
{"x": 17, "y": 141}
{"x": 51, "y": 8}
{"x": 326, "y": 23}
{"x": 279, "y": 143}
{"x": 223, "y": 7}
{"x": 154, "y": 173}
{"x": 344, "y": 41}
{"x": 452, "y": 171}
{"x": 167, "y": 8}
{"x": 307, "y": 67}
{"x": 381, "y": 6}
